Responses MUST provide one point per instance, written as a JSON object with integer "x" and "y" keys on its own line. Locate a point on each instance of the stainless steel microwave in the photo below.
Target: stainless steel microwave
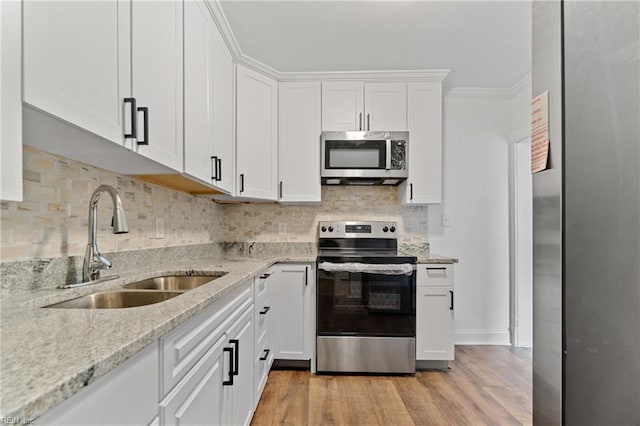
{"x": 364, "y": 158}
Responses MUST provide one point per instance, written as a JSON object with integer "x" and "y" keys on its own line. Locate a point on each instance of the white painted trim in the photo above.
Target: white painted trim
{"x": 401, "y": 75}
{"x": 481, "y": 337}
{"x": 241, "y": 58}
{"x": 523, "y": 82}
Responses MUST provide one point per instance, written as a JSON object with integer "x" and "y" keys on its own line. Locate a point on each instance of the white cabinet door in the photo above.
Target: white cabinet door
{"x": 342, "y": 106}
{"x": 299, "y": 142}
{"x": 223, "y": 142}
{"x": 199, "y": 29}
{"x": 239, "y": 402}
{"x": 424, "y": 185}
{"x": 434, "y": 323}
{"x": 385, "y": 106}
{"x": 198, "y": 398}
{"x": 156, "y": 32}
{"x": 256, "y": 135}
{"x": 295, "y": 287}
{"x": 77, "y": 63}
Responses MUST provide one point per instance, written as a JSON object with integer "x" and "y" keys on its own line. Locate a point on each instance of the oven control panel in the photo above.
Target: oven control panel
{"x": 355, "y": 229}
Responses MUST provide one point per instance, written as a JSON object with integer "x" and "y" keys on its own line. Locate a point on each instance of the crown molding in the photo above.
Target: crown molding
{"x": 241, "y": 58}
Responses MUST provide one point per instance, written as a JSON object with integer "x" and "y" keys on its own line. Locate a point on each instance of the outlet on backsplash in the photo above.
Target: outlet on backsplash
{"x": 159, "y": 227}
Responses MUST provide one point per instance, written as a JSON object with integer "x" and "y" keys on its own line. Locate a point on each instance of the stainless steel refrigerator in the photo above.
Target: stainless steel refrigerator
{"x": 586, "y": 350}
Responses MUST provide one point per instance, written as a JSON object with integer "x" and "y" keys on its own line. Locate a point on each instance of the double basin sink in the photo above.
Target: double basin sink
{"x": 140, "y": 293}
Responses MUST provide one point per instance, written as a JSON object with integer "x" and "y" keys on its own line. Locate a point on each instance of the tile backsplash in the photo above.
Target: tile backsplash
{"x": 268, "y": 222}
{"x": 52, "y": 220}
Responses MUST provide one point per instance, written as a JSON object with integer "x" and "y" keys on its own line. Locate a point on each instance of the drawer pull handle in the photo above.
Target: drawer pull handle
{"x": 265, "y": 276}
{"x": 265, "y": 310}
{"x": 266, "y": 355}
{"x": 236, "y": 343}
{"x": 230, "y": 381}
{"x": 451, "y": 306}
{"x": 440, "y": 268}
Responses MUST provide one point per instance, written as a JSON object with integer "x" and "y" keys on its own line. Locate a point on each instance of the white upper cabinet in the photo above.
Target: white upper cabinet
{"x": 299, "y": 142}
{"x": 364, "y": 106}
{"x": 157, "y": 79}
{"x": 88, "y": 64}
{"x": 223, "y": 120}
{"x": 256, "y": 135}
{"x": 199, "y": 29}
{"x": 424, "y": 185}
{"x": 342, "y": 106}
{"x": 208, "y": 100}
{"x": 77, "y": 63}
{"x": 385, "y": 106}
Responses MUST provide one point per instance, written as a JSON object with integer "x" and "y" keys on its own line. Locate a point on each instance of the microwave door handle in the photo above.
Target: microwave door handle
{"x": 388, "y": 165}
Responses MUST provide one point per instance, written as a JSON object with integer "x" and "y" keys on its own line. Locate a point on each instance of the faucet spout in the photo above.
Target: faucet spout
{"x": 93, "y": 260}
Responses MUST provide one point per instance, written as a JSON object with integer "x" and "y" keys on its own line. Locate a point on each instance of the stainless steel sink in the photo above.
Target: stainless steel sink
{"x": 116, "y": 299}
{"x": 175, "y": 282}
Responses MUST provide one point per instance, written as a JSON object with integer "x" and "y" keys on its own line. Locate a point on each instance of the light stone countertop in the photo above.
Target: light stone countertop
{"x": 47, "y": 355}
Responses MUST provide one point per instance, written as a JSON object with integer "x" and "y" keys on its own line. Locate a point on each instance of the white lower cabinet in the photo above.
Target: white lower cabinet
{"x": 198, "y": 399}
{"x": 264, "y": 330}
{"x": 126, "y": 396}
{"x": 207, "y": 365}
{"x": 239, "y": 401}
{"x": 295, "y": 316}
{"x": 434, "y": 312}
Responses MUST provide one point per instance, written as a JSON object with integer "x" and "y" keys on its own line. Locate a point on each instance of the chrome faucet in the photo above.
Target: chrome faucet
{"x": 93, "y": 260}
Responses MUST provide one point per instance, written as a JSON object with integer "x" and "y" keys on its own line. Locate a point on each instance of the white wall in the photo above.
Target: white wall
{"x": 476, "y": 202}
{"x": 521, "y": 215}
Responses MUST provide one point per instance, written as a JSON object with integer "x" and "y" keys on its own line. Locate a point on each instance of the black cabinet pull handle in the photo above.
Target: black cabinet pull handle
{"x": 241, "y": 182}
{"x": 265, "y": 276}
{"x": 368, "y": 121}
{"x": 439, "y": 268}
{"x": 145, "y": 115}
{"x": 214, "y": 168}
{"x": 230, "y": 381}
{"x": 411, "y": 191}
{"x": 306, "y": 276}
{"x": 218, "y": 169}
{"x": 451, "y": 306}
{"x": 280, "y": 189}
{"x": 266, "y": 355}
{"x": 360, "y": 122}
{"x": 265, "y": 310}
{"x": 134, "y": 118}
{"x": 236, "y": 355}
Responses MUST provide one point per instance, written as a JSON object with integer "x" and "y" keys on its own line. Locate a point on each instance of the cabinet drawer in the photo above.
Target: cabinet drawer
{"x": 263, "y": 319}
{"x": 264, "y": 359}
{"x": 263, "y": 285}
{"x": 181, "y": 349}
{"x": 434, "y": 274}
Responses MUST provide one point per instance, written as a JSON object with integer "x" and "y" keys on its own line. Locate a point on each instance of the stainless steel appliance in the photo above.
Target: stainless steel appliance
{"x": 366, "y": 300}
{"x": 364, "y": 158}
{"x": 586, "y": 215}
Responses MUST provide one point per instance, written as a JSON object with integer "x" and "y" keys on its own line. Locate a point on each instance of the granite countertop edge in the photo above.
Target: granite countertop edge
{"x": 32, "y": 394}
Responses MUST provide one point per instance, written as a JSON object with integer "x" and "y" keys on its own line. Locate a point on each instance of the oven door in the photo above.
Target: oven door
{"x": 352, "y": 303}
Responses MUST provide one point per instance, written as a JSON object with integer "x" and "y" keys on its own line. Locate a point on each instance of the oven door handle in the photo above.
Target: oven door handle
{"x": 369, "y": 268}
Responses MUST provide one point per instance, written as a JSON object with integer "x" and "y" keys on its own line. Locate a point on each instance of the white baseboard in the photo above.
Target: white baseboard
{"x": 481, "y": 337}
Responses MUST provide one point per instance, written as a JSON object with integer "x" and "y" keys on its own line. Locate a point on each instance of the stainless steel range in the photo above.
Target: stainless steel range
{"x": 366, "y": 294}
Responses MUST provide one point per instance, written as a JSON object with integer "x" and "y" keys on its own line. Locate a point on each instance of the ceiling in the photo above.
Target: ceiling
{"x": 483, "y": 43}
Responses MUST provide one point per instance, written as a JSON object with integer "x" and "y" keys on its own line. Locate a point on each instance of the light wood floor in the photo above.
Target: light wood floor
{"x": 486, "y": 385}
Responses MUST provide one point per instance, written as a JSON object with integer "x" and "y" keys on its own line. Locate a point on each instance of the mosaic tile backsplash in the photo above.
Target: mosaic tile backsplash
{"x": 262, "y": 222}
{"x": 52, "y": 220}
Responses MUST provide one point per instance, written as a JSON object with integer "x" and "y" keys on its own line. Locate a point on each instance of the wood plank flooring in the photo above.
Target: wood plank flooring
{"x": 486, "y": 385}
